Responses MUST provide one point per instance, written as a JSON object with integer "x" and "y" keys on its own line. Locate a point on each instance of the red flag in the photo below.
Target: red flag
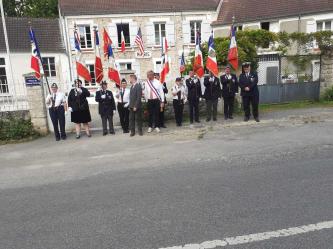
{"x": 211, "y": 63}
{"x": 165, "y": 60}
{"x": 98, "y": 61}
{"x": 198, "y": 59}
{"x": 107, "y": 44}
{"x": 123, "y": 45}
{"x": 83, "y": 71}
{"x": 233, "y": 50}
{"x": 114, "y": 75}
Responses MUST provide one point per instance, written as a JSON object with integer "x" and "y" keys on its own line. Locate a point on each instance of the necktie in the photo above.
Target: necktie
{"x": 179, "y": 94}
{"x": 53, "y": 100}
{"x": 122, "y": 95}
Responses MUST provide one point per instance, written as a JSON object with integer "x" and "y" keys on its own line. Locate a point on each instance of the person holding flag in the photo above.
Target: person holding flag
{"x": 212, "y": 95}
{"x": 113, "y": 73}
{"x": 211, "y": 63}
{"x": 229, "y": 89}
{"x": 194, "y": 94}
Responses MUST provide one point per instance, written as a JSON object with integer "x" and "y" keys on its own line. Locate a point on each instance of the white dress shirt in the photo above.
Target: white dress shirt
{"x": 175, "y": 89}
{"x": 150, "y": 94}
{"x": 59, "y": 99}
{"x": 126, "y": 95}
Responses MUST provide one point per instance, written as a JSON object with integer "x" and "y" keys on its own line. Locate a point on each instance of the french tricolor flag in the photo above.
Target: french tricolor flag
{"x": 98, "y": 61}
{"x": 81, "y": 69}
{"x": 211, "y": 63}
{"x": 165, "y": 60}
{"x": 35, "y": 54}
{"x": 198, "y": 59}
{"x": 233, "y": 50}
{"x": 123, "y": 44}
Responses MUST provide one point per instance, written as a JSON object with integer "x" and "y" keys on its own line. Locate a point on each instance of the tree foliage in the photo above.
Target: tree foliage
{"x": 249, "y": 41}
{"x": 31, "y": 8}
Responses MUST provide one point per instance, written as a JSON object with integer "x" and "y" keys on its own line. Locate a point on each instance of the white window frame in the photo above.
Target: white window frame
{"x": 196, "y": 30}
{"x": 49, "y": 66}
{"x": 93, "y": 83}
{"x": 160, "y": 32}
{"x": 85, "y": 36}
{"x": 323, "y": 25}
{"x": 127, "y": 45}
{"x": 5, "y": 85}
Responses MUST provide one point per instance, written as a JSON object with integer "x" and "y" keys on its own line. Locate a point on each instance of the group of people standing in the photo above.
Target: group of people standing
{"x": 130, "y": 107}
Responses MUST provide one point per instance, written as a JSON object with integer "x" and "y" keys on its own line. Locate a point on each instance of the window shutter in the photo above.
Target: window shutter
{"x": 206, "y": 31}
{"x": 133, "y": 28}
{"x": 186, "y": 32}
{"x": 113, "y": 34}
{"x": 170, "y": 32}
{"x": 150, "y": 34}
{"x": 311, "y": 27}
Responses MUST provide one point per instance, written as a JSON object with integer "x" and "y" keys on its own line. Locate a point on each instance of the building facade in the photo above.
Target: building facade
{"x": 178, "y": 22}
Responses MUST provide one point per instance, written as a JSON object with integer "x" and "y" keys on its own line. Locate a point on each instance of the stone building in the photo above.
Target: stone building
{"x": 178, "y": 21}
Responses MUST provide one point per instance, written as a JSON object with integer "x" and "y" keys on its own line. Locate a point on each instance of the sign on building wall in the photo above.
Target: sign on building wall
{"x": 146, "y": 55}
{"x": 31, "y": 81}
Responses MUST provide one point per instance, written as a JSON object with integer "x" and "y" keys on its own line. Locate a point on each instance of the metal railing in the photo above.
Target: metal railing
{"x": 13, "y": 96}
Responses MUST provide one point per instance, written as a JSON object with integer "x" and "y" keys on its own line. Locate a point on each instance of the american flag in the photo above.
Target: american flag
{"x": 139, "y": 41}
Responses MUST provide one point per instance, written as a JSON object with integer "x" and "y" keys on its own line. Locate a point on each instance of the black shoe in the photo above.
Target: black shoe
{"x": 197, "y": 121}
{"x": 231, "y": 117}
{"x": 141, "y": 133}
{"x": 257, "y": 120}
{"x": 112, "y": 133}
{"x": 126, "y": 131}
{"x": 89, "y": 135}
{"x": 78, "y": 136}
{"x": 105, "y": 133}
{"x": 163, "y": 126}
{"x": 246, "y": 119}
{"x": 64, "y": 137}
{"x": 132, "y": 134}
{"x": 57, "y": 139}
{"x": 225, "y": 118}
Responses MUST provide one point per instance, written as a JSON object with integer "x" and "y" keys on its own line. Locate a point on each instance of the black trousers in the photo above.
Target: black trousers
{"x": 178, "y": 107}
{"x": 57, "y": 116}
{"x": 161, "y": 117}
{"x": 154, "y": 108}
{"x": 254, "y": 102}
{"x": 105, "y": 119}
{"x": 194, "y": 110}
{"x": 211, "y": 106}
{"x": 123, "y": 116}
{"x": 228, "y": 106}
{"x": 135, "y": 117}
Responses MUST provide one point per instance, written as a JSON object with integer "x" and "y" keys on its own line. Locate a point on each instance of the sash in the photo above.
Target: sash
{"x": 152, "y": 88}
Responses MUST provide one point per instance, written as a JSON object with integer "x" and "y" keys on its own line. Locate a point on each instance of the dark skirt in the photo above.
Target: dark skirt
{"x": 79, "y": 117}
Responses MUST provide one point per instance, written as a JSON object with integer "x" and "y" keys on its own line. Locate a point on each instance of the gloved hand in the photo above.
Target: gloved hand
{"x": 70, "y": 109}
{"x": 127, "y": 105}
{"x": 103, "y": 96}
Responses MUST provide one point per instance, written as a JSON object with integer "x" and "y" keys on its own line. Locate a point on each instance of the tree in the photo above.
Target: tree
{"x": 31, "y": 8}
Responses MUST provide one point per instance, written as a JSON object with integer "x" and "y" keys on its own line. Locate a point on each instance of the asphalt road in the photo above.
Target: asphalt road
{"x": 180, "y": 187}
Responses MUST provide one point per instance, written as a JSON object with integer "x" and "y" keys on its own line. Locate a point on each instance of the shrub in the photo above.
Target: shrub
{"x": 16, "y": 129}
{"x": 328, "y": 94}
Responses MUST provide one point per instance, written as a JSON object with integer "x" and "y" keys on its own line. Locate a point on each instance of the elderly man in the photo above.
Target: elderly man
{"x": 155, "y": 100}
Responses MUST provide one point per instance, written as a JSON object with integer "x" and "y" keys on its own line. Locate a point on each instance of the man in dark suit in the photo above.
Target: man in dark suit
{"x": 248, "y": 82}
{"x": 165, "y": 91}
{"x": 229, "y": 89}
{"x": 135, "y": 105}
{"x": 212, "y": 95}
{"x": 194, "y": 93}
{"x": 106, "y": 107}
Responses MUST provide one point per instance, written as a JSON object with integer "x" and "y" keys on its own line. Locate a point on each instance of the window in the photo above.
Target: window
{"x": 265, "y": 25}
{"x": 324, "y": 26}
{"x": 159, "y": 33}
{"x": 91, "y": 68}
{"x": 125, "y": 28}
{"x": 3, "y": 77}
{"x": 195, "y": 28}
{"x": 158, "y": 66}
{"x": 85, "y": 36}
{"x": 239, "y": 27}
{"x": 125, "y": 66}
{"x": 49, "y": 66}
